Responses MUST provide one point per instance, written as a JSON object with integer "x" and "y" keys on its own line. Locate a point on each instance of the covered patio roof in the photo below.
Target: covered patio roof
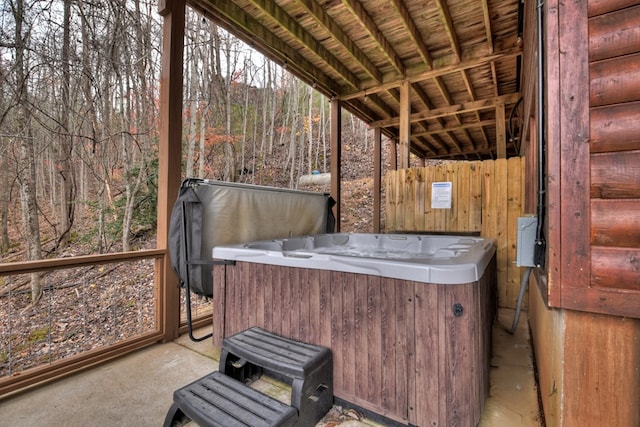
{"x": 440, "y": 77}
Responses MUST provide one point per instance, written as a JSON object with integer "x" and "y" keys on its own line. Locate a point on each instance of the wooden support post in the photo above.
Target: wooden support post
{"x": 336, "y": 157}
{"x": 393, "y": 149}
{"x": 170, "y": 155}
{"x": 501, "y": 133}
{"x": 405, "y": 124}
{"x": 377, "y": 178}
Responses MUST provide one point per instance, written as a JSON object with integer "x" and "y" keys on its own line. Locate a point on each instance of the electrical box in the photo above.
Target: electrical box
{"x": 527, "y": 226}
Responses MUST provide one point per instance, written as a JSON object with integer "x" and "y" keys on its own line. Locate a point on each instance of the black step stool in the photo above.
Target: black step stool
{"x": 223, "y": 399}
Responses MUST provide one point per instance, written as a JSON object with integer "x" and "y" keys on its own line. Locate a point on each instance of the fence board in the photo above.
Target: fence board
{"x": 514, "y": 210}
{"x": 487, "y": 197}
{"x": 429, "y": 214}
{"x": 475, "y": 200}
{"x": 500, "y": 205}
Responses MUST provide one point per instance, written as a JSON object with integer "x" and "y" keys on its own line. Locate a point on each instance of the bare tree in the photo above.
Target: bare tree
{"x": 66, "y": 172}
{"x": 27, "y": 171}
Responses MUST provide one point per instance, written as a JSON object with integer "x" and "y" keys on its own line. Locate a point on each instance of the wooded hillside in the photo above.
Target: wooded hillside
{"x": 79, "y": 123}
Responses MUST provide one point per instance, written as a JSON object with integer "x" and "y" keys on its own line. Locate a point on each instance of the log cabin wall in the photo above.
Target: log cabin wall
{"x": 588, "y": 347}
{"x": 614, "y": 101}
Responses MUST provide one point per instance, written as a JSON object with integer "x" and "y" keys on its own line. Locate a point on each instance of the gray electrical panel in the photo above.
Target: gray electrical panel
{"x": 526, "y": 241}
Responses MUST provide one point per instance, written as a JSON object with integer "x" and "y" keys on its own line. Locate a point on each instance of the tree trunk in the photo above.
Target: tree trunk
{"x": 27, "y": 176}
{"x": 5, "y": 195}
{"x": 310, "y": 131}
{"x": 66, "y": 172}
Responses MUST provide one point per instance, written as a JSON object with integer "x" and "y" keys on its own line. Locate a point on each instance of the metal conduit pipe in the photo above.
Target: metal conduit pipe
{"x": 540, "y": 246}
{"x": 539, "y": 252}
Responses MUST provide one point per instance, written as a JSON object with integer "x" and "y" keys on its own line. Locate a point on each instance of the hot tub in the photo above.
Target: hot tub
{"x": 408, "y": 317}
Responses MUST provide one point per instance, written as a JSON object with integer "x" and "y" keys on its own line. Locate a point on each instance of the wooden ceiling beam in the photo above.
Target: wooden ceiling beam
{"x": 472, "y": 96}
{"x": 465, "y": 64}
{"x": 359, "y": 12}
{"x": 489, "y": 122}
{"x": 494, "y": 77}
{"x": 427, "y": 103}
{"x": 424, "y": 145}
{"x": 487, "y": 24}
{"x": 413, "y": 32}
{"x": 314, "y": 9}
{"x": 290, "y": 25}
{"x": 424, "y": 52}
{"x": 252, "y": 32}
{"x": 449, "y": 28}
{"x": 466, "y": 107}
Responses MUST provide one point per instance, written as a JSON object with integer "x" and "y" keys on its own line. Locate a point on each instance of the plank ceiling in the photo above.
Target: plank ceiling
{"x": 461, "y": 57}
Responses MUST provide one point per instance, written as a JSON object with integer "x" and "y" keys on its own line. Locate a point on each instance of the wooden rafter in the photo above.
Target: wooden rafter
{"x": 472, "y": 96}
{"x": 456, "y": 128}
{"x": 449, "y": 28}
{"x": 345, "y": 41}
{"x": 430, "y": 74}
{"x": 370, "y": 26}
{"x": 287, "y": 23}
{"x": 412, "y": 32}
{"x": 487, "y": 24}
{"x": 360, "y": 52}
{"x": 254, "y": 33}
{"x": 466, "y": 107}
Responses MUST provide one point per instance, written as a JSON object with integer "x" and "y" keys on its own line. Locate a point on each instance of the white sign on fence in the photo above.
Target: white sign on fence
{"x": 441, "y": 195}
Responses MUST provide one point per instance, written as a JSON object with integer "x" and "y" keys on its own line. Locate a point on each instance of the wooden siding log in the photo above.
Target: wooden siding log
{"x": 614, "y": 176}
{"x": 599, "y": 7}
{"x": 615, "y": 223}
{"x": 615, "y": 128}
{"x": 614, "y": 302}
{"x": 615, "y": 81}
{"x": 614, "y": 34}
{"x": 615, "y": 268}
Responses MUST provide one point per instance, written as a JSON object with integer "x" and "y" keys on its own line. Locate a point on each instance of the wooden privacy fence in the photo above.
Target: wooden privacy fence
{"x": 487, "y": 197}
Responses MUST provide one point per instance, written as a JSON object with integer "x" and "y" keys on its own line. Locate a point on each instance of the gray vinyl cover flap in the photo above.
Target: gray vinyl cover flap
{"x": 209, "y": 213}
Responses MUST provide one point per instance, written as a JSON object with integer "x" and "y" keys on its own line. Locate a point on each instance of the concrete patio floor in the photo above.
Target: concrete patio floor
{"x": 136, "y": 390}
